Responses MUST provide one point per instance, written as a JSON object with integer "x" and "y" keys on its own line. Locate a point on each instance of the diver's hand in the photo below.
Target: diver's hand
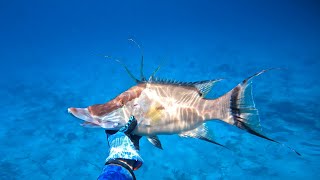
{"x": 124, "y": 146}
{"x": 130, "y": 126}
{"x": 127, "y": 130}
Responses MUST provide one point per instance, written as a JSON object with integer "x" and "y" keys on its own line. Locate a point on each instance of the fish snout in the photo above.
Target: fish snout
{"x": 81, "y": 113}
{"x": 72, "y": 110}
{"x": 111, "y": 121}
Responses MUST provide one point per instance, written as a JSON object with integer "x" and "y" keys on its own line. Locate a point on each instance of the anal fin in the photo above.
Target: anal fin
{"x": 202, "y": 133}
{"x": 244, "y": 126}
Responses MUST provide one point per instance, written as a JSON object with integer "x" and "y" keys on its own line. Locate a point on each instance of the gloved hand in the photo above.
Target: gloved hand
{"x": 123, "y": 156}
{"x": 124, "y": 145}
{"x": 127, "y": 130}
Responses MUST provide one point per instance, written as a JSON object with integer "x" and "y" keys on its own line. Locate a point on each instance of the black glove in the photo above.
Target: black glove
{"x": 127, "y": 130}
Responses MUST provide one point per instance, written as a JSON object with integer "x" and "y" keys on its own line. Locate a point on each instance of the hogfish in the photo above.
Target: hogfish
{"x": 164, "y": 107}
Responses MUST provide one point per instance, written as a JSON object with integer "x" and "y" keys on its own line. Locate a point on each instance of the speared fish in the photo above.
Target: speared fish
{"x": 164, "y": 107}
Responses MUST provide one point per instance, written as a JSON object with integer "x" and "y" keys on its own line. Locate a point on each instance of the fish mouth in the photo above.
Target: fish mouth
{"x": 81, "y": 113}
{"x": 112, "y": 121}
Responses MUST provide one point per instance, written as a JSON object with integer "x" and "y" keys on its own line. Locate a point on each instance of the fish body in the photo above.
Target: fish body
{"x": 168, "y": 107}
{"x": 165, "y": 108}
{"x": 159, "y": 108}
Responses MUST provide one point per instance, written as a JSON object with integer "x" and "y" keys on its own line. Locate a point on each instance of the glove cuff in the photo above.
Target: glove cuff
{"x": 123, "y": 165}
{"x": 122, "y": 147}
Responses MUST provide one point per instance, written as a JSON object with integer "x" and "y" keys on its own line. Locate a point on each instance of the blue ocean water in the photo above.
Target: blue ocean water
{"x": 53, "y": 57}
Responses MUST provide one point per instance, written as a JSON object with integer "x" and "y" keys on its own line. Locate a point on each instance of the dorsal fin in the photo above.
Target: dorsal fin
{"x": 126, "y": 68}
{"x": 141, "y": 65}
{"x": 151, "y": 78}
{"x": 141, "y": 70}
{"x": 203, "y": 87}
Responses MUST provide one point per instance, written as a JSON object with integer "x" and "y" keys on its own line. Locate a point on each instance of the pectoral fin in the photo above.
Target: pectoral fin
{"x": 201, "y": 133}
{"x": 155, "y": 141}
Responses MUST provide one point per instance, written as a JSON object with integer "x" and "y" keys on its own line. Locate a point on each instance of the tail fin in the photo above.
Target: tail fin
{"x": 238, "y": 109}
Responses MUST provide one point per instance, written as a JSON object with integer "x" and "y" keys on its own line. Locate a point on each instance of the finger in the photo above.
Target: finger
{"x": 110, "y": 132}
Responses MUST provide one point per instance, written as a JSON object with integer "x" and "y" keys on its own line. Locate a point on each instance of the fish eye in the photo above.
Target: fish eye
{"x": 120, "y": 103}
